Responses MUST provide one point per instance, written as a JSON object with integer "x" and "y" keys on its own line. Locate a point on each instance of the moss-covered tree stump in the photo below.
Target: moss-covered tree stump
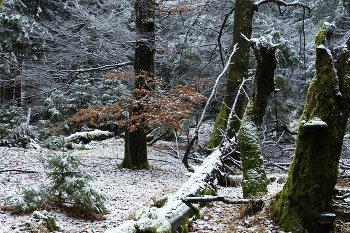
{"x": 254, "y": 174}
{"x": 314, "y": 170}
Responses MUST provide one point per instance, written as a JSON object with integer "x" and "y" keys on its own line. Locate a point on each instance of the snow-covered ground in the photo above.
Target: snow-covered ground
{"x": 130, "y": 191}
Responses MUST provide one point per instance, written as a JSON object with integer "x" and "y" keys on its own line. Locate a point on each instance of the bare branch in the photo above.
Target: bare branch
{"x": 220, "y": 33}
{"x": 207, "y": 104}
{"x": 282, "y": 3}
{"x": 223, "y": 199}
{"x": 101, "y": 68}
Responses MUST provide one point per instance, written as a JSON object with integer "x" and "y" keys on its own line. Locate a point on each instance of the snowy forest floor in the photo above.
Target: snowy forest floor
{"x": 132, "y": 191}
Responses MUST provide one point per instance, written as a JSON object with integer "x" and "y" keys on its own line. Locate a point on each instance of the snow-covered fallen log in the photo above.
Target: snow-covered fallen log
{"x": 174, "y": 213}
{"x": 86, "y": 137}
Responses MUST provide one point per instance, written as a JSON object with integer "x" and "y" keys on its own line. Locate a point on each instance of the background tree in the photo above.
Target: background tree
{"x": 135, "y": 140}
{"x": 243, "y": 23}
{"x": 314, "y": 170}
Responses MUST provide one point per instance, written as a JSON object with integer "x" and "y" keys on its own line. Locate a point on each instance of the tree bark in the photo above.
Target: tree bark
{"x": 314, "y": 170}
{"x": 254, "y": 174}
{"x": 136, "y": 140}
{"x": 238, "y": 70}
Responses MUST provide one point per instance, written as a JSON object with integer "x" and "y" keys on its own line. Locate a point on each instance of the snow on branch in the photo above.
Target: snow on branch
{"x": 279, "y": 3}
{"x": 261, "y": 42}
{"x": 101, "y": 68}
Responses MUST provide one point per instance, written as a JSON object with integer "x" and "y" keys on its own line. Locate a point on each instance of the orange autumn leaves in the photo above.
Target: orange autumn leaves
{"x": 150, "y": 106}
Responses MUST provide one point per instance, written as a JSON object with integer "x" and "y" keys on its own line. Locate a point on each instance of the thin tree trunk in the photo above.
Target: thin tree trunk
{"x": 136, "y": 141}
{"x": 254, "y": 174}
{"x": 238, "y": 70}
{"x": 314, "y": 170}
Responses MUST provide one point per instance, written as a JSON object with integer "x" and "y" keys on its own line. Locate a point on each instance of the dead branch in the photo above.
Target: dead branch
{"x": 228, "y": 169}
{"x": 188, "y": 200}
{"x": 344, "y": 167}
{"x": 17, "y": 170}
{"x": 277, "y": 165}
{"x": 220, "y": 34}
{"x": 160, "y": 136}
{"x": 342, "y": 197}
{"x": 234, "y": 162}
{"x": 101, "y": 68}
{"x": 282, "y": 3}
{"x": 190, "y": 145}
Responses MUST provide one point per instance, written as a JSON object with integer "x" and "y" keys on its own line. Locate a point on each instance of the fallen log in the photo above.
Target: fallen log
{"x": 87, "y": 137}
{"x": 222, "y": 199}
{"x": 174, "y": 213}
{"x": 277, "y": 165}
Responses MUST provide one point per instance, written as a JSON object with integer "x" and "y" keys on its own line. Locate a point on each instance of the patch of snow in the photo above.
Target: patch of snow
{"x": 316, "y": 121}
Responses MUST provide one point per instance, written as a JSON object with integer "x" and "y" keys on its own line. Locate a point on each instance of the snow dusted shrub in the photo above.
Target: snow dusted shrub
{"x": 33, "y": 197}
{"x": 56, "y": 143}
{"x": 72, "y": 183}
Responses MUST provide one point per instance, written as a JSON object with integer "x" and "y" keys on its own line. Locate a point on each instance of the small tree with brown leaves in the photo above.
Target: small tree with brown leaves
{"x": 159, "y": 107}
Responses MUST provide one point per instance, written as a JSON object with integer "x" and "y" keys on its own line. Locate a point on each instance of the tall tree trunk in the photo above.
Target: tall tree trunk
{"x": 136, "y": 141}
{"x": 254, "y": 174}
{"x": 314, "y": 170}
{"x": 243, "y": 20}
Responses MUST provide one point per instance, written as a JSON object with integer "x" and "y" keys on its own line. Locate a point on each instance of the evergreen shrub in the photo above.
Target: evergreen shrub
{"x": 70, "y": 183}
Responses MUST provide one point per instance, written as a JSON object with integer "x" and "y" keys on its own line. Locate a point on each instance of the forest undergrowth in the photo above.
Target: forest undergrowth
{"x": 134, "y": 191}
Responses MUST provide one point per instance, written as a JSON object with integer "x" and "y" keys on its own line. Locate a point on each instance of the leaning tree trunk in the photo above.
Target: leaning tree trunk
{"x": 238, "y": 70}
{"x": 314, "y": 170}
{"x": 254, "y": 174}
{"x": 136, "y": 141}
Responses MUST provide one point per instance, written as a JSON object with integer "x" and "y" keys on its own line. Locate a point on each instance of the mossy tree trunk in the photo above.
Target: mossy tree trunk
{"x": 254, "y": 174}
{"x": 314, "y": 170}
{"x": 136, "y": 141}
{"x": 243, "y": 20}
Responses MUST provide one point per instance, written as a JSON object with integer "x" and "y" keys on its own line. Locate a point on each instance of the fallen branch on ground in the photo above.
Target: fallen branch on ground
{"x": 17, "y": 170}
{"x": 342, "y": 197}
{"x": 222, "y": 199}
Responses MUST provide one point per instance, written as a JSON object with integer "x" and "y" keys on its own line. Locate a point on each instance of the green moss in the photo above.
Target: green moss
{"x": 152, "y": 223}
{"x": 197, "y": 211}
{"x": 51, "y": 223}
{"x": 323, "y": 33}
{"x": 254, "y": 176}
{"x": 186, "y": 226}
{"x": 207, "y": 191}
{"x": 161, "y": 202}
{"x": 313, "y": 172}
